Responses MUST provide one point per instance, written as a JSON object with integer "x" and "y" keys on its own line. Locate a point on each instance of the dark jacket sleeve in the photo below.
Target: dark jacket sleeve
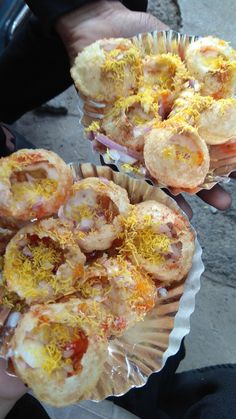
{"x": 50, "y": 10}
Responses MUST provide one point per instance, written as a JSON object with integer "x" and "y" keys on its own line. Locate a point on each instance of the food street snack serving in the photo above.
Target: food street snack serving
{"x": 94, "y": 207}
{"x": 213, "y": 63}
{"x": 33, "y": 184}
{"x": 56, "y": 347}
{"x": 160, "y": 241}
{"x": 43, "y": 262}
{"x": 109, "y": 69}
{"x": 181, "y": 105}
{"x": 179, "y": 158}
{"x": 127, "y": 291}
{"x": 63, "y": 304}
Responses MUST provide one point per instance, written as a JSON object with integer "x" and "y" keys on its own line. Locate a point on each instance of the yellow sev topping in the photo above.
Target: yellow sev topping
{"x": 7, "y": 166}
{"x": 55, "y": 337}
{"x": 19, "y": 162}
{"x": 118, "y": 61}
{"x": 31, "y": 190}
{"x": 226, "y": 103}
{"x": 96, "y": 285}
{"x": 10, "y": 299}
{"x": 136, "y": 286}
{"x": 212, "y": 58}
{"x": 148, "y": 99}
{"x": 60, "y": 233}
{"x": 142, "y": 240}
{"x": 32, "y": 270}
{"x": 94, "y": 126}
{"x": 78, "y": 212}
{"x": 101, "y": 208}
{"x": 188, "y": 109}
{"x": 143, "y": 296}
{"x": 87, "y": 316}
{"x": 53, "y": 359}
{"x": 166, "y": 70}
{"x": 25, "y": 159}
{"x": 182, "y": 154}
{"x": 128, "y": 168}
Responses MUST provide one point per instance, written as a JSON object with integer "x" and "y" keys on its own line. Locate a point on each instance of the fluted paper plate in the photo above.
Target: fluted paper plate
{"x": 222, "y": 162}
{"x": 144, "y": 348}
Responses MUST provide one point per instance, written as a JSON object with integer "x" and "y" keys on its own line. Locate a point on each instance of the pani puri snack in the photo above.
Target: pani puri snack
{"x": 33, "y": 184}
{"x": 215, "y": 120}
{"x": 177, "y": 156}
{"x": 127, "y": 292}
{"x": 159, "y": 240}
{"x": 129, "y": 119}
{"x": 213, "y": 63}
{"x": 70, "y": 320}
{"x": 94, "y": 206}
{"x": 166, "y": 71}
{"x": 184, "y": 87}
{"x": 217, "y": 124}
{"x": 43, "y": 262}
{"x": 107, "y": 69}
{"x": 59, "y": 350}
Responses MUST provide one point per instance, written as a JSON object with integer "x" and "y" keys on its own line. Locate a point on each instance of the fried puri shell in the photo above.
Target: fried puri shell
{"x": 107, "y": 69}
{"x": 33, "y": 184}
{"x": 94, "y": 206}
{"x": 43, "y": 262}
{"x": 213, "y": 63}
{"x": 59, "y": 350}
{"x": 176, "y": 156}
{"x": 160, "y": 241}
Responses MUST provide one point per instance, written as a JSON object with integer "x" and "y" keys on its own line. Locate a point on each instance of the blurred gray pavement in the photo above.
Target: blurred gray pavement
{"x": 212, "y": 339}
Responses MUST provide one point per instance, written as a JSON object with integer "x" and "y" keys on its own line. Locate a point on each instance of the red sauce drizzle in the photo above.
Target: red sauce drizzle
{"x": 79, "y": 348}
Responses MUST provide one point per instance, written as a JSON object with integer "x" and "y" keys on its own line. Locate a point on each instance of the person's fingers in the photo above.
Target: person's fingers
{"x": 216, "y": 197}
{"x": 147, "y": 23}
{"x": 233, "y": 175}
{"x": 10, "y": 387}
{"x": 183, "y": 204}
{"x": 102, "y": 19}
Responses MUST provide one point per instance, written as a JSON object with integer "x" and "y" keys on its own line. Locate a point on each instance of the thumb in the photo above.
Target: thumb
{"x": 138, "y": 22}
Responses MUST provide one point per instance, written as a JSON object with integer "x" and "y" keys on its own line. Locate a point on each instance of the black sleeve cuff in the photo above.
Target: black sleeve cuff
{"x": 48, "y": 11}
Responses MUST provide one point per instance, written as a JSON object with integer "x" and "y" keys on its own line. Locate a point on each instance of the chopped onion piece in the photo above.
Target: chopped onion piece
{"x": 68, "y": 353}
{"x": 13, "y": 319}
{"x": 103, "y": 139}
{"x": 27, "y": 252}
{"x": 163, "y": 292}
{"x": 86, "y": 224}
